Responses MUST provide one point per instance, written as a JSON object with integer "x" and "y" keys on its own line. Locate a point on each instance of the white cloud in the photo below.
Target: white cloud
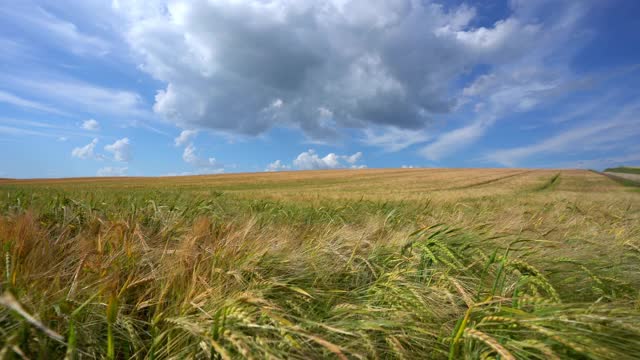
{"x": 608, "y": 133}
{"x": 583, "y": 109}
{"x": 516, "y": 88}
{"x": 91, "y": 125}
{"x": 517, "y": 82}
{"x": 191, "y": 157}
{"x": 202, "y": 171}
{"x": 31, "y": 123}
{"x": 277, "y": 166}
{"x": 352, "y": 159}
{"x": 18, "y": 127}
{"x": 348, "y": 64}
{"x": 38, "y": 22}
{"x": 15, "y": 131}
{"x": 16, "y": 100}
{"x": 184, "y": 173}
{"x": 309, "y": 160}
{"x": 504, "y": 35}
{"x": 455, "y": 139}
{"x": 184, "y": 137}
{"x": 121, "y": 149}
{"x": 112, "y": 171}
{"x": 393, "y": 139}
{"x": 497, "y": 95}
{"x": 80, "y": 96}
{"x": 276, "y": 104}
{"x": 85, "y": 152}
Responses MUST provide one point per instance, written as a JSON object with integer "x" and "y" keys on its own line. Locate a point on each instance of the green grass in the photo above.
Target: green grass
{"x": 200, "y": 271}
{"x": 624, "y": 170}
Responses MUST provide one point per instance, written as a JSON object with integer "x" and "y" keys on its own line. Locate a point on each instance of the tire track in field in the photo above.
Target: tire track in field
{"x": 458, "y": 177}
{"x": 555, "y": 179}
{"x": 490, "y": 181}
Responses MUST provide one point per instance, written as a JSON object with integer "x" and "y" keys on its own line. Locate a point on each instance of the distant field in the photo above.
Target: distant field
{"x": 624, "y": 170}
{"x": 347, "y": 264}
{"x": 629, "y": 174}
{"x": 372, "y": 183}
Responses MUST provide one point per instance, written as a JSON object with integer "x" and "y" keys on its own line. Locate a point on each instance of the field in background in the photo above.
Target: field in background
{"x": 628, "y": 174}
{"x": 436, "y": 263}
{"x": 414, "y": 184}
{"x": 624, "y": 170}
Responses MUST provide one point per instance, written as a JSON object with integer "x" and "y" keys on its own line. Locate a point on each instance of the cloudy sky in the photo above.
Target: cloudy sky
{"x": 159, "y": 87}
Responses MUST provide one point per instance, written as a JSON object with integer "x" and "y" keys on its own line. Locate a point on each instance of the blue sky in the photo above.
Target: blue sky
{"x": 191, "y": 87}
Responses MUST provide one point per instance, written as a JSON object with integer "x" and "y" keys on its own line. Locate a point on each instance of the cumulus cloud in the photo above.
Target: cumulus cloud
{"x": 191, "y": 157}
{"x": 352, "y": 159}
{"x": 277, "y": 166}
{"x": 121, "y": 149}
{"x": 91, "y": 125}
{"x": 309, "y": 160}
{"x": 112, "y": 171}
{"x": 85, "y": 152}
{"x": 245, "y": 66}
{"x": 184, "y": 137}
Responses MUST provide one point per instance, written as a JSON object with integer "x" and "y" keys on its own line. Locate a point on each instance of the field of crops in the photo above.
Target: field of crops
{"x": 351, "y": 264}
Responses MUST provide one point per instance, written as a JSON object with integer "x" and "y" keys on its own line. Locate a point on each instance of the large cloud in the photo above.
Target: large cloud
{"x": 190, "y": 156}
{"x": 277, "y": 166}
{"x": 245, "y": 66}
{"x": 121, "y": 149}
{"x": 112, "y": 171}
{"x": 91, "y": 125}
{"x": 185, "y": 137}
{"x": 517, "y": 84}
{"x": 85, "y": 152}
{"x": 310, "y": 160}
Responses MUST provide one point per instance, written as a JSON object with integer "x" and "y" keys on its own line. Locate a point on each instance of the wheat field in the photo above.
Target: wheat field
{"x": 346, "y": 264}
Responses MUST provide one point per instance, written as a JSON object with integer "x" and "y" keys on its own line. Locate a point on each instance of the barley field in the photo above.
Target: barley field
{"x": 351, "y": 264}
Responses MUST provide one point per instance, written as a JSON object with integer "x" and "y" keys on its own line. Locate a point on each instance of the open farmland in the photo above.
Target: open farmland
{"x": 379, "y": 263}
{"x": 631, "y": 174}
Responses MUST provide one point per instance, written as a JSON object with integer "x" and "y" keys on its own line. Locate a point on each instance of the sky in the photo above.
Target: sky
{"x": 155, "y": 87}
